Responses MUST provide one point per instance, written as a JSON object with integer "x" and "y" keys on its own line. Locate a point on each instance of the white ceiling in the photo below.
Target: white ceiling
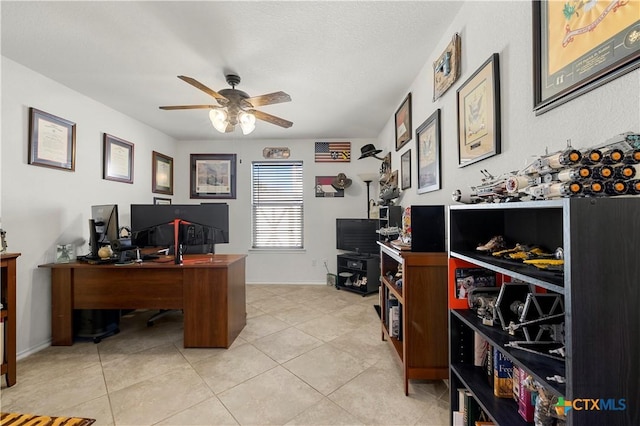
{"x": 346, "y": 64}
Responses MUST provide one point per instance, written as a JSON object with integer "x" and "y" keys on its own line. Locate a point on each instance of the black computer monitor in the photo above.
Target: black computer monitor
{"x": 199, "y": 226}
{"x": 104, "y": 226}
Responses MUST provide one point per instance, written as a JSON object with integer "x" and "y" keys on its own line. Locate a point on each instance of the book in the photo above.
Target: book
{"x": 502, "y": 375}
{"x": 516, "y": 383}
{"x": 472, "y": 411}
{"x": 526, "y": 407}
{"x": 480, "y": 349}
{"x": 489, "y": 364}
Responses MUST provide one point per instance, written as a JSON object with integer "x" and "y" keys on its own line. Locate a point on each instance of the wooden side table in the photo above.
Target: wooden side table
{"x": 8, "y": 315}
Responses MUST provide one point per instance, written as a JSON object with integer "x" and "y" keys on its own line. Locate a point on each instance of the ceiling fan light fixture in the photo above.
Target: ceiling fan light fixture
{"x": 247, "y": 122}
{"x": 219, "y": 119}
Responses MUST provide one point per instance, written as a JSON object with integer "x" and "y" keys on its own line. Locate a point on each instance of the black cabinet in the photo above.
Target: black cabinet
{"x": 598, "y": 283}
{"x": 358, "y": 273}
{"x": 390, "y": 218}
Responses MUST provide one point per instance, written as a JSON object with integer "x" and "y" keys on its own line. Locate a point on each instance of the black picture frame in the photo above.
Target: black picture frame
{"x": 162, "y": 174}
{"x": 117, "y": 159}
{"x": 161, "y": 200}
{"x": 403, "y": 128}
{"x": 578, "y": 50}
{"x": 52, "y": 141}
{"x": 213, "y": 176}
{"x": 428, "y": 150}
{"x": 478, "y": 104}
{"x": 405, "y": 170}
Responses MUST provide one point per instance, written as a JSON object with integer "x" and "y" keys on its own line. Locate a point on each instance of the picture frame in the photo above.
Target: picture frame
{"x": 162, "y": 174}
{"x": 478, "y": 105}
{"x": 52, "y": 141}
{"x": 578, "y": 50}
{"x": 403, "y": 123}
{"x": 428, "y": 152}
{"x": 161, "y": 201}
{"x": 385, "y": 169}
{"x": 325, "y": 189}
{"x": 213, "y": 176}
{"x": 446, "y": 69}
{"x": 405, "y": 170}
{"x": 117, "y": 159}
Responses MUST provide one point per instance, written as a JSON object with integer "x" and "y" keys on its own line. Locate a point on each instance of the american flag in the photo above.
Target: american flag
{"x": 333, "y": 151}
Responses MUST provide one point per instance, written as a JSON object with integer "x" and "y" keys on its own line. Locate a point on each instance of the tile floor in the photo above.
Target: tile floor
{"x": 309, "y": 355}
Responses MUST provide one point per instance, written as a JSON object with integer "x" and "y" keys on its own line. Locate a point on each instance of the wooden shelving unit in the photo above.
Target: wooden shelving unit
{"x": 422, "y": 346}
{"x": 8, "y": 314}
{"x": 599, "y": 285}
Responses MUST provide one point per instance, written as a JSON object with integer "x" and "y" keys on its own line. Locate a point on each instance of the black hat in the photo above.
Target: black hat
{"x": 368, "y": 150}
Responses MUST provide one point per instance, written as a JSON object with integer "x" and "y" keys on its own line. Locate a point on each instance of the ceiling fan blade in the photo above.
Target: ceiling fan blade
{"x": 172, "y": 107}
{"x": 195, "y": 83}
{"x": 269, "y": 99}
{"x": 271, "y": 118}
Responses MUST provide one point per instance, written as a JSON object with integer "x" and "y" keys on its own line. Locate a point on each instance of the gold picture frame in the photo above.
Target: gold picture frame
{"x": 478, "y": 102}
{"x": 446, "y": 69}
{"x": 117, "y": 159}
{"x": 162, "y": 174}
{"x": 403, "y": 123}
{"x": 52, "y": 141}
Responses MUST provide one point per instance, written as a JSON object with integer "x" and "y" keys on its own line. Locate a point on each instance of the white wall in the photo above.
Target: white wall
{"x": 505, "y": 27}
{"x": 43, "y": 207}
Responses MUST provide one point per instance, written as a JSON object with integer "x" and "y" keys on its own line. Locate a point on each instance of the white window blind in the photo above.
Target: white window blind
{"x": 277, "y": 205}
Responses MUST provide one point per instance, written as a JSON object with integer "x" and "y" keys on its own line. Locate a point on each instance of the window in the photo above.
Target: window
{"x": 277, "y": 205}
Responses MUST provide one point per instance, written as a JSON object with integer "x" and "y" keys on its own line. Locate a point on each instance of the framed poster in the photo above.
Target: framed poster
{"x": 213, "y": 176}
{"x": 325, "y": 189}
{"x": 405, "y": 170}
{"x": 162, "y": 174}
{"x": 478, "y": 102}
{"x": 403, "y": 123}
{"x": 117, "y": 159}
{"x": 52, "y": 141}
{"x": 578, "y": 46}
{"x": 446, "y": 69}
{"x": 161, "y": 201}
{"x": 428, "y": 147}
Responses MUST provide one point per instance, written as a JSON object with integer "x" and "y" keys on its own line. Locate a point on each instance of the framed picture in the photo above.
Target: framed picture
{"x": 325, "y": 189}
{"x": 52, "y": 141}
{"x": 479, "y": 114}
{"x": 578, "y": 47}
{"x": 118, "y": 159}
{"x": 332, "y": 152}
{"x": 403, "y": 123}
{"x": 405, "y": 170}
{"x": 428, "y": 147}
{"x": 213, "y": 176}
{"x": 162, "y": 174}
{"x": 385, "y": 169}
{"x": 446, "y": 69}
{"x": 159, "y": 201}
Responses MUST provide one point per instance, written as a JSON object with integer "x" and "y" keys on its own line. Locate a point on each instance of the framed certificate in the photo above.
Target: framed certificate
{"x": 52, "y": 141}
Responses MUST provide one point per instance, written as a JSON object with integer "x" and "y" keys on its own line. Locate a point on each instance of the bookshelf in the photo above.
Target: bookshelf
{"x": 8, "y": 316}
{"x": 422, "y": 300}
{"x": 598, "y": 284}
{"x": 358, "y": 273}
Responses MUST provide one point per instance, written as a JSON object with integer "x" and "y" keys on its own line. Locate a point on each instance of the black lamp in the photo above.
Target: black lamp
{"x": 368, "y": 178}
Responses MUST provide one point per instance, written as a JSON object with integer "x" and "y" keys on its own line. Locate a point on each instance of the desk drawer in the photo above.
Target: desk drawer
{"x": 127, "y": 288}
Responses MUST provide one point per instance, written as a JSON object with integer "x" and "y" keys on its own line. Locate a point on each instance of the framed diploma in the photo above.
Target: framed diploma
{"x": 213, "y": 175}
{"x": 162, "y": 176}
{"x": 52, "y": 141}
{"x": 118, "y": 159}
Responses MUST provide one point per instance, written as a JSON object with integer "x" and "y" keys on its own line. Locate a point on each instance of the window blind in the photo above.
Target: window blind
{"x": 277, "y": 205}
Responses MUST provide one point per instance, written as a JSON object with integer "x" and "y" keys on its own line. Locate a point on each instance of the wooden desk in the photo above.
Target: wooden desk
{"x": 8, "y": 314}
{"x": 210, "y": 289}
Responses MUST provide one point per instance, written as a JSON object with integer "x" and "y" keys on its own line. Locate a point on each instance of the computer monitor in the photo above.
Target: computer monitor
{"x": 104, "y": 226}
{"x": 199, "y": 226}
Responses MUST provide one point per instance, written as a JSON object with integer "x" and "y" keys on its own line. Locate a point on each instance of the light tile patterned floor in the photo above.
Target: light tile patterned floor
{"x": 309, "y": 355}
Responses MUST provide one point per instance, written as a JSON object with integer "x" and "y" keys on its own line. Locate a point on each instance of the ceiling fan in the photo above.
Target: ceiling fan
{"x": 235, "y": 106}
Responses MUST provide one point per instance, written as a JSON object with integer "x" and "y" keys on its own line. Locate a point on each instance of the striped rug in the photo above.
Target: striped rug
{"x": 15, "y": 419}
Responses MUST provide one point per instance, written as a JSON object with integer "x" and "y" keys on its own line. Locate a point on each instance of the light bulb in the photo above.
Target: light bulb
{"x": 247, "y": 122}
{"x": 218, "y": 117}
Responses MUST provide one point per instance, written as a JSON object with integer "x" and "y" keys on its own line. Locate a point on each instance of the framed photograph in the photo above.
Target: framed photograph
{"x": 325, "y": 189}
{"x": 118, "y": 159}
{"x": 403, "y": 123}
{"x": 446, "y": 69}
{"x": 479, "y": 114}
{"x": 52, "y": 141}
{"x": 578, "y": 47}
{"x": 161, "y": 201}
{"x": 213, "y": 176}
{"x": 405, "y": 170}
{"x": 162, "y": 174}
{"x": 428, "y": 146}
